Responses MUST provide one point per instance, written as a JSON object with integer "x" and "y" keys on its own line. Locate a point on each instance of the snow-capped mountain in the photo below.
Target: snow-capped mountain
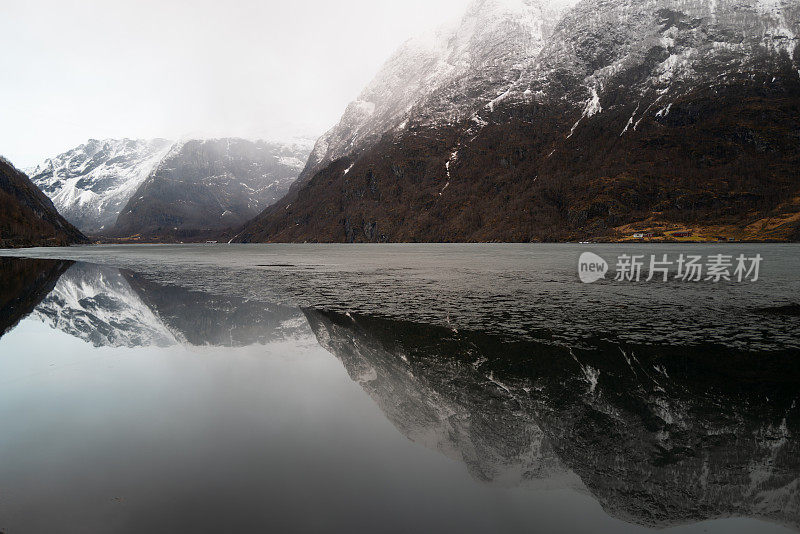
{"x": 521, "y": 50}
{"x": 657, "y": 50}
{"x": 443, "y": 74}
{"x": 535, "y": 120}
{"x": 204, "y": 186}
{"x": 91, "y": 183}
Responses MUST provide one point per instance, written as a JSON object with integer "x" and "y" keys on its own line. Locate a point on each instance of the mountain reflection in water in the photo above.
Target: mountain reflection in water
{"x": 659, "y": 435}
{"x": 111, "y": 307}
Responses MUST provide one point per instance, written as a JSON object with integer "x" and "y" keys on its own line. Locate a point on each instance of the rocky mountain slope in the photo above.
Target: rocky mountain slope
{"x": 91, "y": 183}
{"x": 528, "y": 122}
{"x": 442, "y": 75}
{"x": 202, "y": 187}
{"x": 27, "y": 217}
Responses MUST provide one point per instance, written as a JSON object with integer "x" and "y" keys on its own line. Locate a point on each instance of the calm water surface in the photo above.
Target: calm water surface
{"x": 441, "y": 388}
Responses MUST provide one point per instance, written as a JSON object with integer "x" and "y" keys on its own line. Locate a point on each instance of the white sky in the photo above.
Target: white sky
{"x": 71, "y": 70}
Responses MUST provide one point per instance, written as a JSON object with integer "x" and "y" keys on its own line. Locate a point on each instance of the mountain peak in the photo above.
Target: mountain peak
{"x": 89, "y": 184}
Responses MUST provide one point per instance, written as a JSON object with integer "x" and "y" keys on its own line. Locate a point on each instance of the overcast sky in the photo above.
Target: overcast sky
{"x": 72, "y": 70}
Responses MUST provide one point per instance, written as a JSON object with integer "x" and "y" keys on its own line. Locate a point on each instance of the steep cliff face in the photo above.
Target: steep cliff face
{"x": 659, "y": 435}
{"x": 613, "y": 113}
{"x": 27, "y": 217}
{"x": 202, "y": 187}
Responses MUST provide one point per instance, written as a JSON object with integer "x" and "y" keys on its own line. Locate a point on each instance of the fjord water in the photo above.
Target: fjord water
{"x": 445, "y": 388}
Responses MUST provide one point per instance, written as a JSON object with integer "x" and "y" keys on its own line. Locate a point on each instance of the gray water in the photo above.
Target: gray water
{"x": 444, "y": 388}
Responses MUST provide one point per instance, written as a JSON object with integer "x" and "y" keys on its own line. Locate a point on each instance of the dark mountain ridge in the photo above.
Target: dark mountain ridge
{"x": 27, "y": 217}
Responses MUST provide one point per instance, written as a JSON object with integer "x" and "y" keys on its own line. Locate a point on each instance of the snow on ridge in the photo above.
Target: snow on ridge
{"x": 91, "y": 184}
{"x": 426, "y": 79}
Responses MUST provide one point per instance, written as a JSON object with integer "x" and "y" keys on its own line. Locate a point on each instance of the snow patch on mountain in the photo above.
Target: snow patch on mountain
{"x": 592, "y": 108}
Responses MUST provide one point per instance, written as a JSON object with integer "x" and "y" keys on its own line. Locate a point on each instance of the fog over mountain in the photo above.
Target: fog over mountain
{"x": 201, "y": 69}
{"x": 503, "y": 120}
{"x": 533, "y": 121}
